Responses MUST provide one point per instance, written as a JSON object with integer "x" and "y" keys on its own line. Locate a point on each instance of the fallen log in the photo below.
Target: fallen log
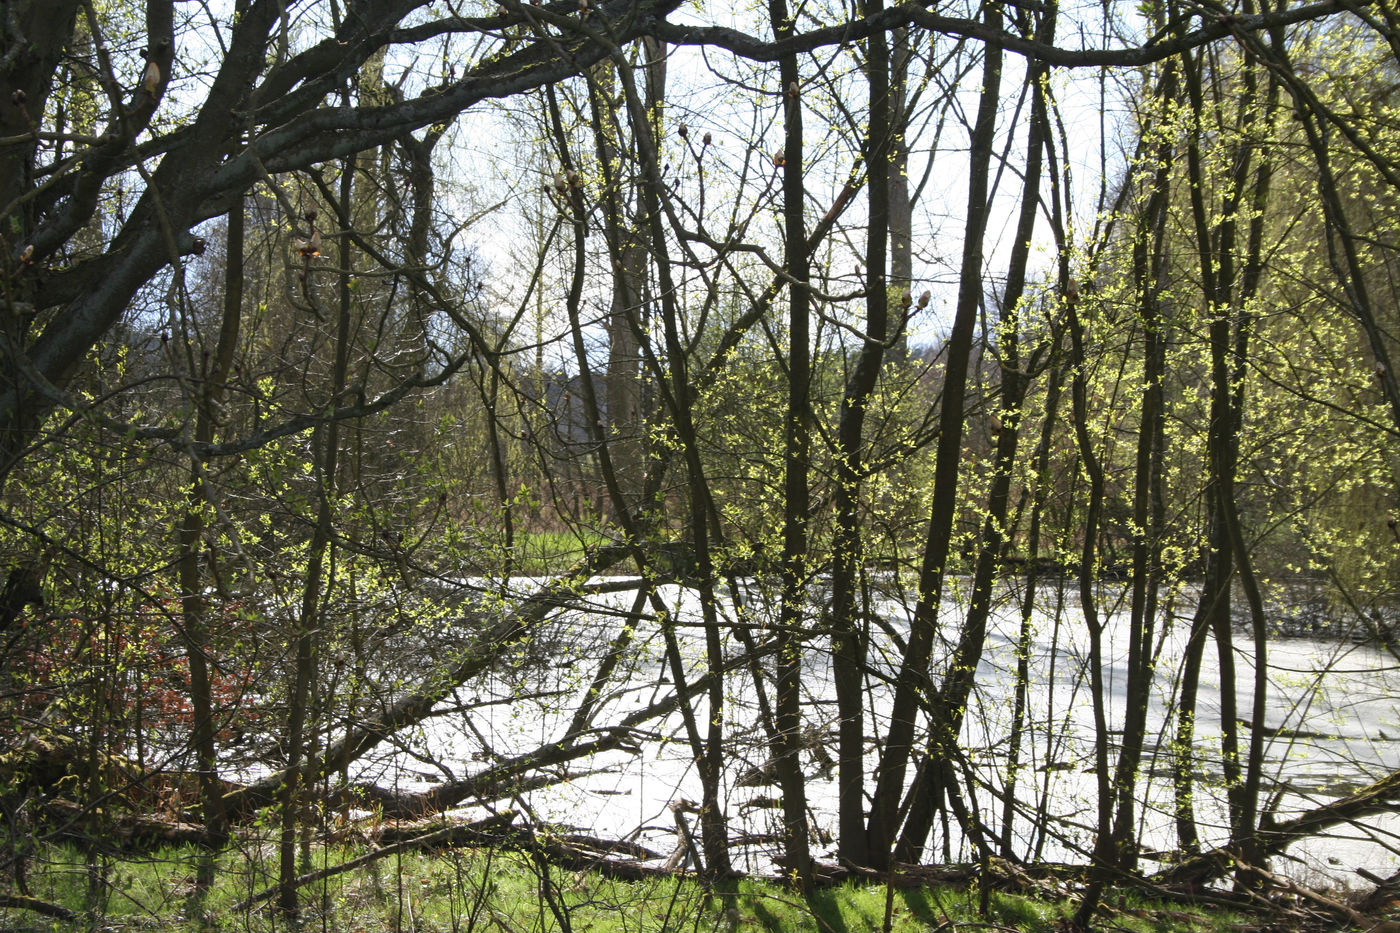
{"x": 51, "y": 765}
{"x": 610, "y": 847}
{"x": 484, "y": 650}
{"x": 512, "y": 775}
{"x": 1382, "y": 896}
{"x": 498, "y": 830}
{"x": 1272, "y": 838}
{"x": 409, "y": 806}
{"x": 508, "y": 775}
{"x": 1047, "y": 880}
{"x": 453, "y": 834}
{"x": 128, "y": 831}
{"x": 580, "y": 853}
{"x": 54, "y": 762}
{"x": 1334, "y": 910}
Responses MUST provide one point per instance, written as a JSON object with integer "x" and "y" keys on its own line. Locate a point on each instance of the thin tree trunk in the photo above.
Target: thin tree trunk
{"x": 1088, "y": 569}
{"x": 901, "y": 207}
{"x": 628, "y": 257}
{"x": 1148, "y": 508}
{"x": 950, "y": 703}
{"x": 1228, "y": 344}
{"x": 848, "y": 638}
{"x": 912, "y": 687}
{"x": 1214, "y": 599}
{"x": 326, "y": 445}
{"x": 1250, "y": 277}
{"x": 677, "y": 393}
{"x": 193, "y": 605}
{"x": 1025, "y": 638}
{"x": 796, "y": 465}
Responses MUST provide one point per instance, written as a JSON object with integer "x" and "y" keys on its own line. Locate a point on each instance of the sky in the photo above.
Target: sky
{"x": 494, "y": 164}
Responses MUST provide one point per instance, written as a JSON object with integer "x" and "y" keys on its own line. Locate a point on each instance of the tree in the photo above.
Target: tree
{"x": 253, "y": 289}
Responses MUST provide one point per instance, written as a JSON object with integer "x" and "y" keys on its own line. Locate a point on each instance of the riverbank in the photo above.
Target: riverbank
{"x": 464, "y": 889}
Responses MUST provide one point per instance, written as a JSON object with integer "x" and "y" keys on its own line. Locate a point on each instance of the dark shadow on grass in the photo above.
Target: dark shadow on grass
{"x": 825, "y": 905}
{"x": 922, "y": 903}
{"x": 761, "y": 913}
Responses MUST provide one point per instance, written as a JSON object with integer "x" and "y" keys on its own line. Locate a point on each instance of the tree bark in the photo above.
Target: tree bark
{"x": 848, "y": 631}
{"x": 949, "y": 705}
{"x": 796, "y": 464}
{"x": 191, "y": 547}
{"x": 913, "y": 688}
{"x": 1148, "y": 272}
{"x": 326, "y": 445}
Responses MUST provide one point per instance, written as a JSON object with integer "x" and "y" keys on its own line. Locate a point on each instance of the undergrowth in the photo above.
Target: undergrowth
{"x": 508, "y": 892}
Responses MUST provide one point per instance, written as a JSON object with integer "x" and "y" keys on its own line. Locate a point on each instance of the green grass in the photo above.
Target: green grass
{"x": 467, "y": 889}
{"x": 547, "y": 552}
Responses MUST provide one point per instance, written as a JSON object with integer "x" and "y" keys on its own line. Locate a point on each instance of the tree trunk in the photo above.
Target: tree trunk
{"x": 901, "y": 207}
{"x": 326, "y": 447}
{"x": 796, "y": 465}
{"x": 1148, "y": 508}
{"x": 950, "y": 703}
{"x": 848, "y": 633}
{"x": 912, "y": 686}
{"x": 193, "y": 604}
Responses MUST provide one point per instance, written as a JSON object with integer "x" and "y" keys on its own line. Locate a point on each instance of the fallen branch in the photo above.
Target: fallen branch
{"x": 397, "y": 832}
{"x": 447, "y": 835}
{"x": 1336, "y": 910}
{"x": 508, "y": 776}
{"x": 24, "y": 902}
{"x": 1382, "y": 895}
{"x": 55, "y": 761}
{"x": 126, "y": 830}
{"x": 1047, "y": 881}
{"x": 571, "y": 851}
{"x": 1379, "y": 797}
{"x": 406, "y": 806}
{"x": 484, "y": 650}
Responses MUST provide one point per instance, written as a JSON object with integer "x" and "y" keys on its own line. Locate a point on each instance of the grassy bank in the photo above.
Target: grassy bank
{"x": 474, "y": 889}
{"x": 540, "y": 553}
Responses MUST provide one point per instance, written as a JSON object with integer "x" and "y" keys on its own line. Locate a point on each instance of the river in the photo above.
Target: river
{"x": 1332, "y": 721}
